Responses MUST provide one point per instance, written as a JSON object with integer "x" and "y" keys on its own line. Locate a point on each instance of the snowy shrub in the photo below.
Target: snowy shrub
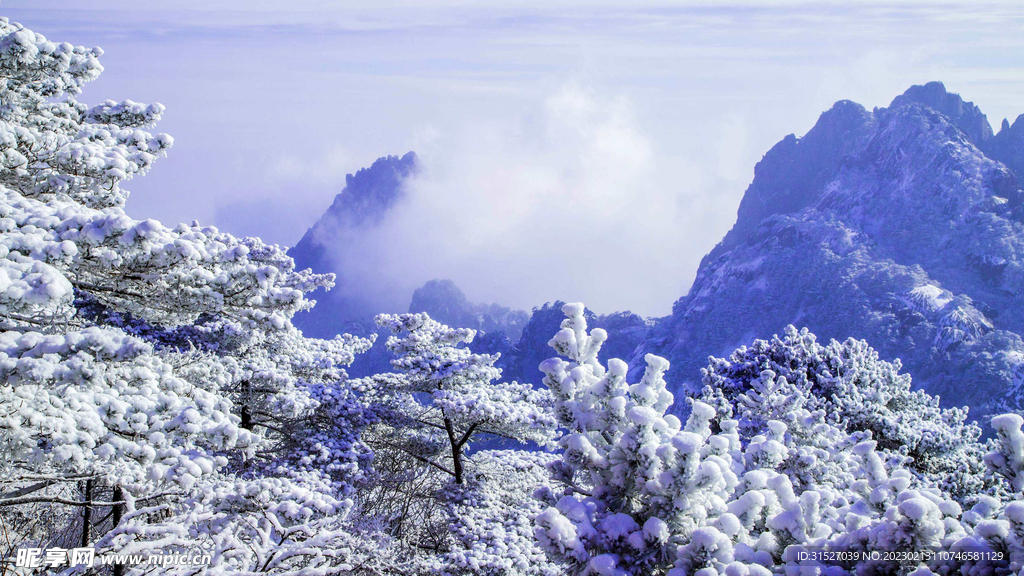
{"x": 858, "y": 392}
{"x": 1007, "y": 457}
{"x": 763, "y": 469}
{"x": 491, "y": 516}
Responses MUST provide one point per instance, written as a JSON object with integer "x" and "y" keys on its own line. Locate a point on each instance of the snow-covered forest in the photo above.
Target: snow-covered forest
{"x": 156, "y": 397}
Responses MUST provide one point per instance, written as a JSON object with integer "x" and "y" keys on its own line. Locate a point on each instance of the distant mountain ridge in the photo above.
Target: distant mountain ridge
{"x": 446, "y": 303}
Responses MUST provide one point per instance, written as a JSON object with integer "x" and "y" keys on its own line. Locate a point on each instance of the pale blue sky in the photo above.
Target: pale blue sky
{"x": 632, "y": 129}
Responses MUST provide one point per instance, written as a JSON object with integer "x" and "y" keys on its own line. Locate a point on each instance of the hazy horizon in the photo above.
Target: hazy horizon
{"x": 606, "y": 148}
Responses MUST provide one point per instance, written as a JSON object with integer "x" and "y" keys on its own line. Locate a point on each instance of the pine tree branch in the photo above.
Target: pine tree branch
{"x": 465, "y": 437}
{"x": 65, "y": 501}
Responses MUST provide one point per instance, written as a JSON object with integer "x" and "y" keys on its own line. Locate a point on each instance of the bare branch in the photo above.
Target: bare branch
{"x": 418, "y": 457}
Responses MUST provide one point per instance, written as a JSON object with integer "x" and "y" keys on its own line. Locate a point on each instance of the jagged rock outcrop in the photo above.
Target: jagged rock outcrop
{"x": 1007, "y": 146}
{"x": 361, "y": 205}
{"x": 964, "y": 115}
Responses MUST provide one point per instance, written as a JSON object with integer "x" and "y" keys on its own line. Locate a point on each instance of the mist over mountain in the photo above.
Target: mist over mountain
{"x": 360, "y": 207}
{"x": 903, "y": 226}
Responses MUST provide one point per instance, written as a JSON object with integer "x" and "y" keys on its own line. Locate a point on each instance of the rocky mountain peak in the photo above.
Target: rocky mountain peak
{"x": 367, "y": 196}
{"x": 965, "y": 115}
{"x": 790, "y": 175}
{"x": 371, "y": 192}
{"x": 903, "y": 226}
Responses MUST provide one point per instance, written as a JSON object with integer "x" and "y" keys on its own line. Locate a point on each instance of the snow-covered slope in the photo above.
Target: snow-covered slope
{"x": 890, "y": 225}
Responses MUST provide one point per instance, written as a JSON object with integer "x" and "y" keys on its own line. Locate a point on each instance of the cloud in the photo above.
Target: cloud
{"x": 325, "y": 168}
{"x": 731, "y": 148}
{"x": 289, "y": 193}
{"x": 569, "y": 200}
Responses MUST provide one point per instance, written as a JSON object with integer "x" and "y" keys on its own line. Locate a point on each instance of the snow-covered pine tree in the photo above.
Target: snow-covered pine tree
{"x": 443, "y": 395}
{"x": 154, "y": 391}
{"x": 442, "y": 398}
{"x": 614, "y": 517}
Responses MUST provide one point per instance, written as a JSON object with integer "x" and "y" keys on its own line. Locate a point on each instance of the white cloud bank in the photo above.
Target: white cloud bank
{"x": 569, "y": 200}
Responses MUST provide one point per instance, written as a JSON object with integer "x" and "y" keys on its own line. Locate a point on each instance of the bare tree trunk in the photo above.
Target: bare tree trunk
{"x": 456, "y": 450}
{"x": 116, "y": 514}
{"x": 117, "y": 496}
{"x": 86, "y": 514}
{"x": 246, "y": 414}
{"x": 457, "y": 444}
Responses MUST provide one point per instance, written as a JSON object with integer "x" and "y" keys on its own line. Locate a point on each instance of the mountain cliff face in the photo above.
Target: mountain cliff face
{"x": 361, "y": 205}
{"x": 892, "y": 225}
{"x": 1008, "y": 146}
